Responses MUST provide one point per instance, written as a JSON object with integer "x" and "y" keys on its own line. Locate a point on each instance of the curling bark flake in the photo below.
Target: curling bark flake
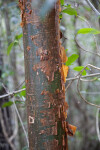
{"x": 45, "y": 76}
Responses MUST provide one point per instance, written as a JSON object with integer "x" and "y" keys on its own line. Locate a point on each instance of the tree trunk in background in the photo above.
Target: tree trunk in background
{"x": 5, "y": 117}
{"x": 20, "y": 141}
{"x": 45, "y": 88}
{"x": 9, "y": 40}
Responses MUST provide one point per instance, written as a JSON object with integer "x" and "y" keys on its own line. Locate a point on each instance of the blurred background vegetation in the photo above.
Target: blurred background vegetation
{"x": 12, "y": 75}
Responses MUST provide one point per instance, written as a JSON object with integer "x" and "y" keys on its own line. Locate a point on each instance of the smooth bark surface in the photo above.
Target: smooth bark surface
{"x": 45, "y": 89}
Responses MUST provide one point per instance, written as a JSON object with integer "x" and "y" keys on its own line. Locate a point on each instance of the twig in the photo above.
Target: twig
{"x": 97, "y": 123}
{"x": 79, "y": 82}
{"x": 20, "y": 47}
{"x": 93, "y": 93}
{"x": 90, "y": 75}
{"x": 16, "y": 128}
{"x": 5, "y": 88}
{"x": 78, "y": 75}
{"x": 93, "y": 8}
{"x": 12, "y": 93}
{"x": 21, "y": 122}
{"x": 92, "y": 80}
{"x": 84, "y": 48}
{"x": 83, "y": 97}
{"x": 19, "y": 85}
{"x": 93, "y": 35}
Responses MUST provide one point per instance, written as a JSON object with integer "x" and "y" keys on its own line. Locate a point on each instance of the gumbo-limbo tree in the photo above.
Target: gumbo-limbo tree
{"x": 45, "y": 77}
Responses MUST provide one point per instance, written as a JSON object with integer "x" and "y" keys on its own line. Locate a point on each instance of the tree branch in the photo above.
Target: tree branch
{"x": 93, "y": 35}
{"x": 12, "y": 93}
{"x": 97, "y": 123}
{"x": 21, "y": 122}
{"x": 90, "y": 75}
{"x": 79, "y": 82}
{"x": 93, "y": 8}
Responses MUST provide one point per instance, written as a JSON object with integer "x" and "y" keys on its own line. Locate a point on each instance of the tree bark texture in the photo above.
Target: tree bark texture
{"x": 44, "y": 78}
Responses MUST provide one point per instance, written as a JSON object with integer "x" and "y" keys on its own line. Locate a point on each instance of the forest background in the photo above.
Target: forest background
{"x": 12, "y": 76}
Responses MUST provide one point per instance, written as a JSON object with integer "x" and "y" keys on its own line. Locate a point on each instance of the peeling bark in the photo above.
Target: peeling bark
{"x": 45, "y": 79}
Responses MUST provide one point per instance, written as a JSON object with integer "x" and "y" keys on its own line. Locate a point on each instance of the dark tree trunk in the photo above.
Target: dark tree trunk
{"x": 13, "y": 66}
{"x": 5, "y": 120}
{"x": 45, "y": 78}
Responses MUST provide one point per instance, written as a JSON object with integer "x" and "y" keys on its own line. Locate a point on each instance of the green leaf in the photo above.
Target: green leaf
{"x": 10, "y": 48}
{"x": 88, "y": 30}
{"x": 71, "y": 59}
{"x": 84, "y": 72}
{"x": 6, "y": 74}
{"x": 16, "y": 42}
{"x": 62, "y": 2}
{"x": 70, "y": 11}
{"x": 17, "y": 37}
{"x": 66, "y": 50}
{"x": 23, "y": 93}
{"x": 60, "y": 16}
{"x": 79, "y": 68}
{"x": 7, "y": 104}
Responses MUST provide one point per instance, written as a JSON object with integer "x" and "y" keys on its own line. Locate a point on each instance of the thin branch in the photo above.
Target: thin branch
{"x": 92, "y": 80}
{"x": 5, "y": 88}
{"x": 78, "y": 75}
{"x": 79, "y": 83}
{"x": 19, "y": 85}
{"x": 21, "y": 122}
{"x": 97, "y": 123}
{"x": 15, "y": 128}
{"x": 93, "y": 8}
{"x": 84, "y": 48}
{"x": 83, "y": 97}
{"x": 90, "y": 75}
{"x": 93, "y": 93}
{"x": 20, "y": 47}
{"x": 89, "y": 65}
{"x": 93, "y": 34}
{"x": 12, "y": 93}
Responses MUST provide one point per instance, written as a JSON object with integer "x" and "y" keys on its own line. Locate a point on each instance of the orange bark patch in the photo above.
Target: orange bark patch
{"x": 48, "y": 64}
{"x": 22, "y": 24}
{"x": 64, "y": 72}
{"x": 63, "y": 54}
{"x": 28, "y": 48}
{"x": 22, "y": 8}
{"x": 73, "y": 128}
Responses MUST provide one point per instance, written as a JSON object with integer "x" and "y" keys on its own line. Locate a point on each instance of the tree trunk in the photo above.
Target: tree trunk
{"x": 5, "y": 116}
{"x": 45, "y": 78}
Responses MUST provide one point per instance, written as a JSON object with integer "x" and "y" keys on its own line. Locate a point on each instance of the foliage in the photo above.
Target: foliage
{"x": 7, "y": 104}
{"x": 14, "y": 43}
{"x": 62, "y": 2}
{"x": 69, "y": 10}
{"x": 80, "y": 68}
{"x": 88, "y": 31}
{"x": 72, "y": 59}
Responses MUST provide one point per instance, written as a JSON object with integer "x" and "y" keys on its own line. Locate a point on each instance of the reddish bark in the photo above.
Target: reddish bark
{"x": 45, "y": 78}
